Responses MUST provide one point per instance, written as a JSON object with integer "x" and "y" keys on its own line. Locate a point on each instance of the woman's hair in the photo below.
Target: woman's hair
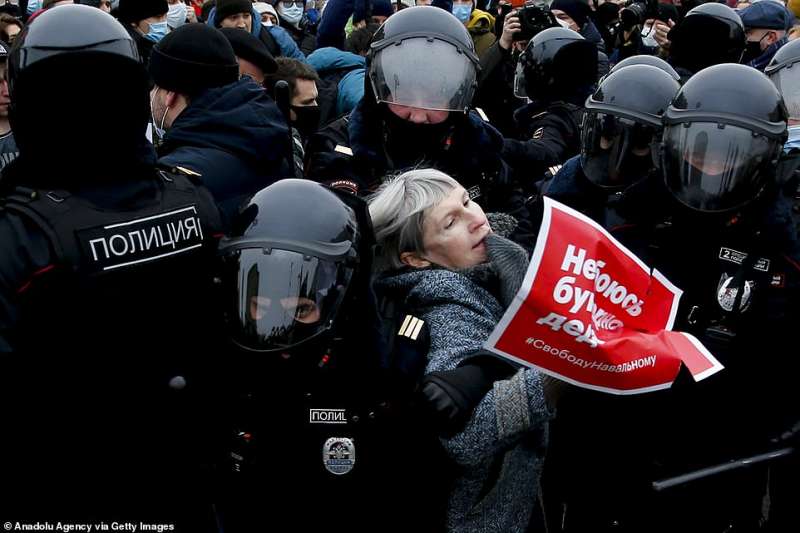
{"x": 398, "y": 211}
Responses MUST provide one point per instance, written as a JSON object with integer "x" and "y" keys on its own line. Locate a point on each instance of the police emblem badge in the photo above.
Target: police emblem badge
{"x": 339, "y": 455}
{"x": 726, "y": 295}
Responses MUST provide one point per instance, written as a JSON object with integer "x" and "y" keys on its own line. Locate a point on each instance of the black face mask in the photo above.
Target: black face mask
{"x": 752, "y": 50}
{"x": 307, "y": 121}
{"x": 408, "y": 137}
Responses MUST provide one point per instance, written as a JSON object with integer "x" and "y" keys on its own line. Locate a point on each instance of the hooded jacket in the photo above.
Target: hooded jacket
{"x": 347, "y": 71}
{"x": 480, "y": 27}
{"x": 288, "y": 48}
{"x": 234, "y": 137}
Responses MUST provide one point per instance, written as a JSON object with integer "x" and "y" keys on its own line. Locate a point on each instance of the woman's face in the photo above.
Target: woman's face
{"x": 454, "y": 230}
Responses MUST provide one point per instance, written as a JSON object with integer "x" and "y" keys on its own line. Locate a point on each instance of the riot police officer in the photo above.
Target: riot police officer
{"x": 621, "y": 126}
{"x": 322, "y": 434}
{"x": 556, "y": 72}
{"x": 105, "y": 269}
{"x": 728, "y": 242}
{"x": 709, "y": 34}
{"x": 421, "y": 78}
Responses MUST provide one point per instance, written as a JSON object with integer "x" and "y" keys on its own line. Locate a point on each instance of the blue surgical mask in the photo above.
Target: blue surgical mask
{"x": 33, "y": 5}
{"x": 292, "y": 15}
{"x": 462, "y": 13}
{"x": 157, "y": 31}
{"x": 176, "y": 16}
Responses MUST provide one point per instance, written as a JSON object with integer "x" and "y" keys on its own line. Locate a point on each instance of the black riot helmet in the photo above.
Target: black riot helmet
{"x": 644, "y": 59}
{"x": 75, "y": 77}
{"x": 784, "y": 71}
{"x": 423, "y": 57}
{"x": 293, "y": 256}
{"x": 556, "y": 64}
{"x": 709, "y": 34}
{"x": 622, "y": 124}
{"x": 723, "y": 134}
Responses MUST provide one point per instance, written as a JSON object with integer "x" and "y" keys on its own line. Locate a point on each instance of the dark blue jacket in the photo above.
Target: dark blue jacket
{"x": 234, "y": 137}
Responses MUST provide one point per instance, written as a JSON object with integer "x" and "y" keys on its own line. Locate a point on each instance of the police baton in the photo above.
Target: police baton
{"x": 720, "y": 468}
{"x": 283, "y": 98}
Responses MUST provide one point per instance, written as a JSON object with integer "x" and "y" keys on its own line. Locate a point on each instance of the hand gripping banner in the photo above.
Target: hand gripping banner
{"x": 593, "y": 314}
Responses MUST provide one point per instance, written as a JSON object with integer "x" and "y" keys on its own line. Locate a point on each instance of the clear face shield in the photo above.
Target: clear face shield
{"x": 423, "y": 73}
{"x": 787, "y": 80}
{"x": 278, "y": 299}
{"x": 616, "y": 151}
{"x": 716, "y": 167}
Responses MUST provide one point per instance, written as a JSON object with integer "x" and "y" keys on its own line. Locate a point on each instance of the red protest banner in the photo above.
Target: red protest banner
{"x": 591, "y": 313}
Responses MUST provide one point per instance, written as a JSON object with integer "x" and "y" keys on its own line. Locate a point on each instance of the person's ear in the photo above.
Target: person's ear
{"x": 171, "y": 99}
{"x": 413, "y": 260}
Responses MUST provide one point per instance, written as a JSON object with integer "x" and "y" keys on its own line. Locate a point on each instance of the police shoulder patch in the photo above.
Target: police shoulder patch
{"x": 411, "y": 327}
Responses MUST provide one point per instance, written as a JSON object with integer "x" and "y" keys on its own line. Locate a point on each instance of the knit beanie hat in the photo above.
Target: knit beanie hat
{"x": 226, "y": 8}
{"x": 193, "y": 58}
{"x": 138, "y": 10}
{"x": 578, "y": 10}
{"x": 249, "y": 47}
{"x": 382, "y": 8}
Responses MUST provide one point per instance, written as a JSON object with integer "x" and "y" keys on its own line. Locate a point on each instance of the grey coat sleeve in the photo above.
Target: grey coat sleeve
{"x": 507, "y": 412}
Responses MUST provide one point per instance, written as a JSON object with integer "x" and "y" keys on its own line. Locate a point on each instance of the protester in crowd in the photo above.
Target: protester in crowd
{"x": 146, "y": 22}
{"x": 223, "y": 129}
{"x": 254, "y": 59}
{"x": 303, "y": 109}
{"x": 8, "y": 147}
{"x": 105, "y": 5}
{"x": 440, "y": 257}
{"x": 575, "y": 14}
{"x": 269, "y": 17}
{"x": 556, "y": 72}
{"x": 9, "y": 28}
{"x": 479, "y": 23}
{"x": 90, "y": 268}
{"x": 332, "y": 27}
{"x": 421, "y": 76}
{"x": 241, "y": 14}
{"x": 765, "y": 25}
{"x": 179, "y": 14}
{"x": 292, "y": 18}
{"x": 341, "y": 74}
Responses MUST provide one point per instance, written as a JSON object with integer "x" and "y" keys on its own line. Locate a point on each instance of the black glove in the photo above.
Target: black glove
{"x": 450, "y": 397}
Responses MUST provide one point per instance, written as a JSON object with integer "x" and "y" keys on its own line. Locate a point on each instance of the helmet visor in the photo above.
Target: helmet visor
{"x": 519, "y": 80}
{"x": 787, "y": 80}
{"x": 280, "y": 298}
{"x": 616, "y": 151}
{"x": 716, "y": 167}
{"x": 422, "y": 73}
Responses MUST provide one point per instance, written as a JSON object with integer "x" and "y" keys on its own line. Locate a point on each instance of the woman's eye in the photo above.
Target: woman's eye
{"x": 466, "y": 202}
{"x": 450, "y": 224}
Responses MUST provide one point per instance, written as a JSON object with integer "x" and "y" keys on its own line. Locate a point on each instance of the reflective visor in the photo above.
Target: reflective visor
{"x": 787, "y": 80}
{"x": 615, "y": 151}
{"x": 716, "y": 167}
{"x": 281, "y": 298}
{"x": 423, "y": 73}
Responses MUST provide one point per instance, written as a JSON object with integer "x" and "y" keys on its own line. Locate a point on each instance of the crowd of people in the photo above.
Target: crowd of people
{"x": 251, "y": 253}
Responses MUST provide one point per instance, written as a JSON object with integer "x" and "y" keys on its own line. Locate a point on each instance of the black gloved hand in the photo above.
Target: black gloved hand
{"x": 450, "y": 397}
